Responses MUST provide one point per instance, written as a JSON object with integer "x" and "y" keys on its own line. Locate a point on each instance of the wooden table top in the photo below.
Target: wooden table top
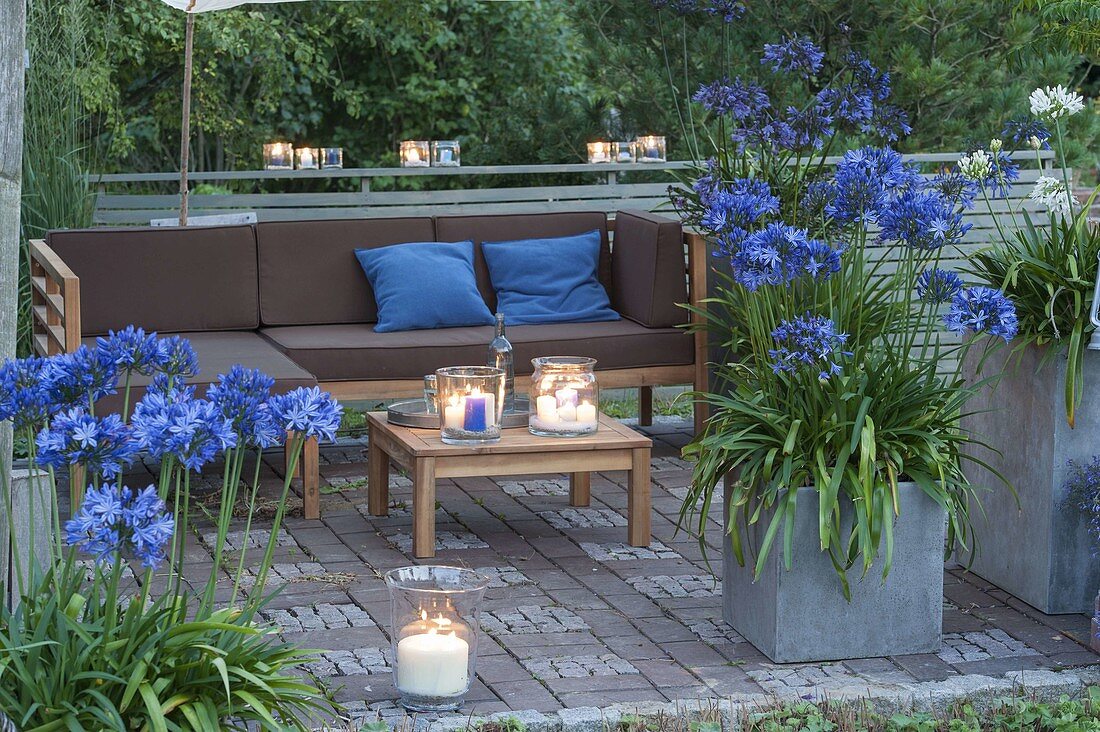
{"x": 611, "y": 435}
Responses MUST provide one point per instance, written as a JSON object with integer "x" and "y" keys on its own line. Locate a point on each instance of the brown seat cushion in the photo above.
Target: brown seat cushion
{"x": 217, "y": 353}
{"x": 308, "y": 270}
{"x": 163, "y": 279}
{"x": 507, "y": 227}
{"x": 356, "y": 352}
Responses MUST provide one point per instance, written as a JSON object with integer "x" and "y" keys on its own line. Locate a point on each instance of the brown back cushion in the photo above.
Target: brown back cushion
{"x": 506, "y": 227}
{"x": 309, "y": 274}
{"x": 164, "y": 279}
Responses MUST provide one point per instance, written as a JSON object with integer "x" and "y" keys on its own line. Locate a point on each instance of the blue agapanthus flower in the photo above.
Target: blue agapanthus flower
{"x": 865, "y": 180}
{"x": 982, "y": 310}
{"x": 241, "y": 396}
{"x": 817, "y": 199}
{"x": 955, "y": 187}
{"x": 727, "y": 10}
{"x": 779, "y": 254}
{"x": 936, "y": 285}
{"x": 867, "y": 77}
{"x": 796, "y": 54}
{"x": 114, "y": 520}
{"x": 888, "y": 122}
{"x": 103, "y": 445}
{"x": 131, "y": 350}
{"x": 923, "y": 220}
{"x": 177, "y": 358}
{"x": 806, "y": 342}
{"x": 809, "y": 128}
{"x": 308, "y": 411}
{"x": 738, "y": 205}
{"x": 737, "y": 99}
{"x": 1083, "y": 493}
{"x": 822, "y": 261}
{"x": 1005, "y": 172}
{"x": 193, "y": 431}
{"x": 23, "y": 396}
{"x": 1022, "y": 131}
{"x": 80, "y": 377}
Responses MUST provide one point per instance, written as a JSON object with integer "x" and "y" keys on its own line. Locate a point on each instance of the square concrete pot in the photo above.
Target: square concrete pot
{"x": 801, "y": 615}
{"x": 1039, "y": 549}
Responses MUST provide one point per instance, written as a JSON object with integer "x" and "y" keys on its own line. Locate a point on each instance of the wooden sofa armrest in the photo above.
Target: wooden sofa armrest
{"x": 55, "y": 302}
{"x": 697, "y": 291}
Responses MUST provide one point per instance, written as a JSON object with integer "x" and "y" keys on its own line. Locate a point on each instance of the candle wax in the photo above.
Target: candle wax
{"x": 566, "y": 396}
{"x": 433, "y": 665}
{"x": 546, "y": 407}
{"x": 586, "y": 412}
{"x": 454, "y": 414}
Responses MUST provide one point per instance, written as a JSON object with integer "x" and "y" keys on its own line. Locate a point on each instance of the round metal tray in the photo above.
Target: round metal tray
{"x": 413, "y": 414}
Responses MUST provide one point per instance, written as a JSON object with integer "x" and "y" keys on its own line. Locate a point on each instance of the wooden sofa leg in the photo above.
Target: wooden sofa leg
{"x": 311, "y": 479}
{"x": 645, "y": 406}
{"x": 286, "y": 457}
{"x": 78, "y": 481}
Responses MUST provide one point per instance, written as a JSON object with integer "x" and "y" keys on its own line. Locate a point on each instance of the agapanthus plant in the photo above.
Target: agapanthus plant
{"x": 833, "y": 378}
{"x": 57, "y": 405}
{"x": 1047, "y": 269}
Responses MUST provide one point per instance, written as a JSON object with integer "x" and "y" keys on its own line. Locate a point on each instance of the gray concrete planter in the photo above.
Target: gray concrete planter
{"x": 1039, "y": 550}
{"x": 801, "y": 615}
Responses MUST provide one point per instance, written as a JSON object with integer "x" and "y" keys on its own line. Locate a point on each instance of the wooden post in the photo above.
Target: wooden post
{"x": 185, "y": 128}
{"x": 13, "y": 22}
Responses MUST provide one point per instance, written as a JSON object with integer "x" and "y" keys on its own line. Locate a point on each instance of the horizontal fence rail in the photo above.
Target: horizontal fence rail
{"x": 139, "y": 198}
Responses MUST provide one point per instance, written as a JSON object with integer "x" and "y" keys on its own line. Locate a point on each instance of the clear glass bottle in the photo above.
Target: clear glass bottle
{"x": 500, "y": 356}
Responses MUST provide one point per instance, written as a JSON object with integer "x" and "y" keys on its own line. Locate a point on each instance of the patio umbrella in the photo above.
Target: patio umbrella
{"x": 192, "y": 7}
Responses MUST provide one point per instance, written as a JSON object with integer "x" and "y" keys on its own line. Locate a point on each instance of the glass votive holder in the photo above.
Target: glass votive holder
{"x": 471, "y": 404}
{"x": 278, "y": 156}
{"x": 332, "y": 157}
{"x": 415, "y": 154}
{"x": 446, "y": 154}
{"x": 599, "y": 152}
{"x": 623, "y": 152}
{"x": 564, "y": 397}
{"x": 651, "y": 149}
{"x": 307, "y": 158}
{"x": 434, "y": 615}
{"x": 431, "y": 395}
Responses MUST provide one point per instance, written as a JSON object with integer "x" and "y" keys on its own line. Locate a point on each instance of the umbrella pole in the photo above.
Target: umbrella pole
{"x": 185, "y": 134}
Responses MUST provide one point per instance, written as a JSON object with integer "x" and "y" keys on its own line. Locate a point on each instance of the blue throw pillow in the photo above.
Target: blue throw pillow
{"x": 549, "y": 280}
{"x": 424, "y": 285}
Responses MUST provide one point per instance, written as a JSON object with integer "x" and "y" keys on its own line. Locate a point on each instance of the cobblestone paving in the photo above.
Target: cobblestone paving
{"x": 583, "y": 518}
{"x": 574, "y": 617}
{"x": 531, "y": 619}
{"x": 257, "y": 539}
{"x": 579, "y": 667}
{"x": 619, "y": 551}
{"x": 323, "y": 616}
{"x": 283, "y": 572}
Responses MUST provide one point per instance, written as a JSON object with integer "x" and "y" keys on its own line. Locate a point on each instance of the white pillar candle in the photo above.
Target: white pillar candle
{"x": 566, "y": 396}
{"x": 567, "y": 412}
{"x": 433, "y": 665}
{"x": 490, "y": 410}
{"x": 546, "y": 407}
{"x": 454, "y": 413}
{"x": 586, "y": 412}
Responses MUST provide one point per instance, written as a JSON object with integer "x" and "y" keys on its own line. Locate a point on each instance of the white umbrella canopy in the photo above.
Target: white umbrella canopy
{"x": 191, "y": 7}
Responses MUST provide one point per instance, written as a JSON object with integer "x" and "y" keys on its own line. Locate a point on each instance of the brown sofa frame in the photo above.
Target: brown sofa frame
{"x": 55, "y": 292}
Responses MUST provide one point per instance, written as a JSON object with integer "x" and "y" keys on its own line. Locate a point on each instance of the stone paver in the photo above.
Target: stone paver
{"x": 257, "y": 539}
{"x": 575, "y": 618}
{"x": 578, "y": 667}
{"x": 531, "y": 619}
{"x": 583, "y": 518}
{"x": 684, "y": 585}
{"x": 322, "y": 616}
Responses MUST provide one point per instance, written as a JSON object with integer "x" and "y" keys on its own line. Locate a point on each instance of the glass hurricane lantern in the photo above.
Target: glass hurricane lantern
{"x": 651, "y": 149}
{"x": 415, "y": 154}
{"x": 471, "y": 404}
{"x": 278, "y": 156}
{"x": 446, "y": 154}
{"x": 564, "y": 397}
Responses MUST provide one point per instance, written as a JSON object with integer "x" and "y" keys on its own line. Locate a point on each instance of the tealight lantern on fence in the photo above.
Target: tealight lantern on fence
{"x": 434, "y": 615}
{"x": 651, "y": 149}
{"x": 471, "y": 403}
{"x": 415, "y": 154}
{"x": 564, "y": 397}
{"x": 278, "y": 156}
{"x": 446, "y": 154}
{"x": 307, "y": 158}
{"x": 332, "y": 157}
{"x": 623, "y": 152}
{"x": 599, "y": 152}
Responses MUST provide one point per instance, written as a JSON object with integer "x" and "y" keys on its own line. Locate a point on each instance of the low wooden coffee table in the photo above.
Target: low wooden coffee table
{"x": 426, "y": 457}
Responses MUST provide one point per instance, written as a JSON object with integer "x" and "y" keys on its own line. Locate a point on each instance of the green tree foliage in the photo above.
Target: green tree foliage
{"x": 960, "y": 68}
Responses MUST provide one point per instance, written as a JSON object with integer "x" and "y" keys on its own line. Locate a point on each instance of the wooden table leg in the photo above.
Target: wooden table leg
{"x": 580, "y": 489}
{"x": 311, "y": 479}
{"x": 638, "y": 499}
{"x": 424, "y": 508}
{"x": 378, "y": 477}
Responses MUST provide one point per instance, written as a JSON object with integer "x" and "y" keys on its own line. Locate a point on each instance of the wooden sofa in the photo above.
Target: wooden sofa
{"x": 289, "y": 298}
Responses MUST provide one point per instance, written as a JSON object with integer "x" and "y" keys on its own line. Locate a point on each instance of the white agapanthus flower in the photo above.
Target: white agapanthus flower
{"x": 995, "y": 145}
{"x": 1034, "y": 142}
{"x": 976, "y": 166}
{"x": 1053, "y": 102}
{"x": 1052, "y": 193}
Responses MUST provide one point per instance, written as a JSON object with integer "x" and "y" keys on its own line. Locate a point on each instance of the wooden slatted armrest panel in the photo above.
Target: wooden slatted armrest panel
{"x": 55, "y": 302}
